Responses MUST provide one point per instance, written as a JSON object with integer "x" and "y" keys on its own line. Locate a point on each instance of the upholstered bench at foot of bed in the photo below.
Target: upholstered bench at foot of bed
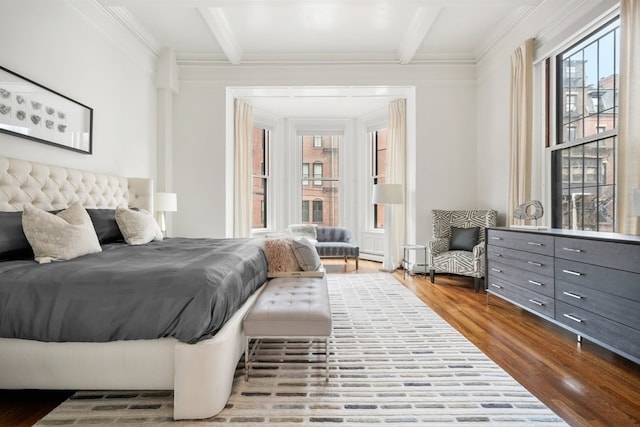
{"x": 296, "y": 307}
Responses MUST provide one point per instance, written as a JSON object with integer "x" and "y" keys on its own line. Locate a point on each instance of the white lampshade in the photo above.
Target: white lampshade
{"x": 384, "y": 194}
{"x": 636, "y": 201}
{"x": 165, "y": 202}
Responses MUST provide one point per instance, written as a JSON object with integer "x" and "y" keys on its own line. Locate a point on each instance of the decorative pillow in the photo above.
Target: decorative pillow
{"x": 104, "y": 222}
{"x": 137, "y": 227}
{"x": 63, "y": 236}
{"x": 280, "y": 255}
{"x": 306, "y": 254}
{"x": 310, "y": 231}
{"x": 463, "y": 239}
{"x": 13, "y": 242}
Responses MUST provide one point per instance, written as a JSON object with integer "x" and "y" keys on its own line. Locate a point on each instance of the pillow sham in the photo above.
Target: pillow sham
{"x": 306, "y": 254}
{"x": 62, "y": 236}
{"x": 463, "y": 239}
{"x": 13, "y": 243}
{"x": 280, "y": 256}
{"x": 137, "y": 227}
{"x": 104, "y": 222}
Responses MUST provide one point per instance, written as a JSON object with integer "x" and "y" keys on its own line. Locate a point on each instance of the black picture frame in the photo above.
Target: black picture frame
{"x": 35, "y": 112}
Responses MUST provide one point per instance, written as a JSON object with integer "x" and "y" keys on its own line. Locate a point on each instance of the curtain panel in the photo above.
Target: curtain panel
{"x": 397, "y": 140}
{"x": 243, "y": 125}
{"x": 520, "y": 146}
{"x": 628, "y": 162}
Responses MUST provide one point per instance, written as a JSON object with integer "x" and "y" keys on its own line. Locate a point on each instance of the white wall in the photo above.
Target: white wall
{"x": 444, "y": 132}
{"x": 58, "y": 46}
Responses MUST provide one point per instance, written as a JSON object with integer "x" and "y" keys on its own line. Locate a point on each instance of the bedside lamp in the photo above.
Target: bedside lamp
{"x": 164, "y": 202}
{"x": 387, "y": 195}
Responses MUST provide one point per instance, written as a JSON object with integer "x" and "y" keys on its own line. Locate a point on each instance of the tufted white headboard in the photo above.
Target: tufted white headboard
{"x": 53, "y": 187}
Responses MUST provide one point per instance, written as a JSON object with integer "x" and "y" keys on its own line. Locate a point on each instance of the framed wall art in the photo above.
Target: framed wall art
{"x": 32, "y": 111}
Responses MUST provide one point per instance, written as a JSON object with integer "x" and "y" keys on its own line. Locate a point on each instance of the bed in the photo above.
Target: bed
{"x": 130, "y": 346}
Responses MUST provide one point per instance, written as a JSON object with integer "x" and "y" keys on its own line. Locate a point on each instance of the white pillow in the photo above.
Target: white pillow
{"x": 66, "y": 235}
{"x": 137, "y": 227}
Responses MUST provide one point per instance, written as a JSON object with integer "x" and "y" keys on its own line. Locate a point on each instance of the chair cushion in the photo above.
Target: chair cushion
{"x": 463, "y": 239}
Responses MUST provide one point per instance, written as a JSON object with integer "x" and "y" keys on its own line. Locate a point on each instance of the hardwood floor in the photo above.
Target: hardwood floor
{"x": 583, "y": 383}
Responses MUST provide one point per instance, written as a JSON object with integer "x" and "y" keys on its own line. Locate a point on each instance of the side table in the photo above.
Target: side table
{"x": 406, "y": 249}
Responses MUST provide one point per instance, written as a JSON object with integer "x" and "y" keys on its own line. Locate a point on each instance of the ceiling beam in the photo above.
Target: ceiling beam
{"x": 219, "y": 27}
{"x": 418, "y": 28}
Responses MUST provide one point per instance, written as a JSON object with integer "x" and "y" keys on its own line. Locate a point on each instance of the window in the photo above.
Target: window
{"x": 317, "y": 174}
{"x": 324, "y": 173}
{"x": 260, "y": 175}
{"x": 305, "y": 211}
{"x": 583, "y": 160}
{"x": 317, "y": 211}
{"x": 378, "y": 144}
{"x": 317, "y": 141}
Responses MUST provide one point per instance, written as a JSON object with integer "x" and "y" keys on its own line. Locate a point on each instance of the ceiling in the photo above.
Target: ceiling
{"x": 320, "y": 31}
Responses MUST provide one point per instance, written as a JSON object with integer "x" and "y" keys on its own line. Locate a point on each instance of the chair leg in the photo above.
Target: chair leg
{"x": 356, "y": 263}
{"x": 345, "y": 259}
{"x": 432, "y": 275}
{"x": 476, "y": 284}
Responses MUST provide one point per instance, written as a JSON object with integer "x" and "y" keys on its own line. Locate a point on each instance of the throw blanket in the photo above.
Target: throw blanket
{"x": 181, "y": 288}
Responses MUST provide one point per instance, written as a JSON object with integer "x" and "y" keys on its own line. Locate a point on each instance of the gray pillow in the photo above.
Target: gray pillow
{"x": 306, "y": 254}
{"x": 104, "y": 222}
{"x": 463, "y": 239}
{"x": 13, "y": 242}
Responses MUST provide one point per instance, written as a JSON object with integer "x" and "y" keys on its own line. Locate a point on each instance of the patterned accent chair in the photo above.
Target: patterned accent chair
{"x": 337, "y": 242}
{"x": 466, "y": 263}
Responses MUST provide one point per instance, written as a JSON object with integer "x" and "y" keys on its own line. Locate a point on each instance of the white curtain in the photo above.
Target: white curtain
{"x": 396, "y": 167}
{"x": 628, "y": 164}
{"x": 243, "y": 126}
{"x": 520, "y": 148}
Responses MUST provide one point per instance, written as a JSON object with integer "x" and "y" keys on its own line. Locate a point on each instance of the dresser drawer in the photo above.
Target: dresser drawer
{"x": 536, "y": 282}
{"x": 530, "y": 242}
{"x": 613, "y": 334}
{"x": 540, "y": 264}
{"x": 621, "y": 256}
{"x": 526, "y": 298}
{"x": 616, "y": 282}
{"x": 621, "y": 310}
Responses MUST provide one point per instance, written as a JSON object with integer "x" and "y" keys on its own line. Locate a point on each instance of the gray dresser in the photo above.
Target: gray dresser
{"x": 586, "y": 282}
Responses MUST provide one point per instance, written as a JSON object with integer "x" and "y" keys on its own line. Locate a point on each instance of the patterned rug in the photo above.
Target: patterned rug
{"x": 393, "y": 361}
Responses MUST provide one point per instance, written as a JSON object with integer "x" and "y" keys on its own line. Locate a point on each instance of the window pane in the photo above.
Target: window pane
{"x": 258, "y": 212}
{"x": 305, "y": 211}
{"x": 260, "y": 171}
{"x": 378, "y": 141}
{"x": 587, "y": 107}
{"x": 323, "y": 195}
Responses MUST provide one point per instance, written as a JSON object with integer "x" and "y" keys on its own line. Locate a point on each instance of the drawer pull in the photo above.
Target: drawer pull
{"x": 497, "y": 270}
{"x": 572, "y": 295}
{"x": 496, "y": 286}
{"x": 571, "y": 250}
{"x": 534, "y": 243}
{"x": 537, "y": 264}
{"x": 533, "y": 282}
{"x": 574, "y": 318}
{"x": 573, "y": 273}
{"x": 495, "y": 238}
{"x": 536, "y": 302}
{"x": 497, "y": 254}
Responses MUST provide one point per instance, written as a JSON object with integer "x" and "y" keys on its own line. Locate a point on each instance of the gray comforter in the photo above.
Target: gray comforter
{"x": 182, "y": 288}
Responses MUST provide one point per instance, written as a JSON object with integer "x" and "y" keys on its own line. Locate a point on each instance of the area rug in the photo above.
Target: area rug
{"x": 393, "y": 362}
